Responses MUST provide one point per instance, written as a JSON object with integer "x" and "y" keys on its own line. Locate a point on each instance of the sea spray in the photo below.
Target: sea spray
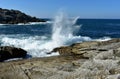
{"x": 63, "y": 30}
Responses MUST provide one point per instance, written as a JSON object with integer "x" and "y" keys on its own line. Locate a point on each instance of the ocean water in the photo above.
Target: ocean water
{"x": 38, "y": 39}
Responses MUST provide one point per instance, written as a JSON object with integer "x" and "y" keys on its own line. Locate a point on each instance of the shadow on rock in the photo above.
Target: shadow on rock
{"x": 7, "y": 52}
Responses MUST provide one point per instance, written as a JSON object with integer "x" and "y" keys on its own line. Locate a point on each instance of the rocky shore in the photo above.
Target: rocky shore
{"x": 87, "y": 60}
{"x": 7, "y": 52}
{"x": 15, "y": 17}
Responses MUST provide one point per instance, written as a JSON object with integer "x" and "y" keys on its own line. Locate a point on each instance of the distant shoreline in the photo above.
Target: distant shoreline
{"x": 15, "y": 16}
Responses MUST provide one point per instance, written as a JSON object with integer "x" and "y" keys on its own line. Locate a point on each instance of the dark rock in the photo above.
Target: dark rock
{"x": 15, "y": 17}
{"x": 7, "y": 52}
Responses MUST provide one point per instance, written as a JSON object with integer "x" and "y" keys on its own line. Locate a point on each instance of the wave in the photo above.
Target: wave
{"x": 112, "y": 33}
{"x": 103, "y": 39}
{"x": 113, "y": 24}
{"x": 40, "y": 46}
{"x": 33, "y": 44}
{"x": 35, "y": 23}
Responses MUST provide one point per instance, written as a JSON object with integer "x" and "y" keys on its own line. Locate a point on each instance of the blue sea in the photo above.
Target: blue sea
{"x": 38, "y": 39}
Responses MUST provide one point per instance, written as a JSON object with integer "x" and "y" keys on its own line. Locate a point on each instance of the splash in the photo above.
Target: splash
{"x": 63, "y": 30}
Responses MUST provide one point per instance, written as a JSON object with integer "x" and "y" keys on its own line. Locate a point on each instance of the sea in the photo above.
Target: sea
{"x": 40, "y": 38}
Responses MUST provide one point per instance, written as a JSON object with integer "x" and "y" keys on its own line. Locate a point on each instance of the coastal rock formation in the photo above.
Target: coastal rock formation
{"x": 7, "y": 52}
{"x": 87, "y": 60}
{"x": 86, "y": 47}
{"x": 15, "y": 17}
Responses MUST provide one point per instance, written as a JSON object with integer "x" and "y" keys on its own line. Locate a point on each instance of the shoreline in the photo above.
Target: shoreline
{"x": 10, "y": 16}
{"x": 70, "y": 50}
{"x": 93, "y": 60}
{"x": 29, "y": 23}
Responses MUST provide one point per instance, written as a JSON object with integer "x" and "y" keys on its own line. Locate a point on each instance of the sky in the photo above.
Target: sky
{"x": 48, "y": 8}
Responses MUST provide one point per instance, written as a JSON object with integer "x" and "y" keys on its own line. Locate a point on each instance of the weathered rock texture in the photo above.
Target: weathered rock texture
{"x": 15, "y": 17}
{"x": 7, "y": 52}
{"x": 87, "y": 60}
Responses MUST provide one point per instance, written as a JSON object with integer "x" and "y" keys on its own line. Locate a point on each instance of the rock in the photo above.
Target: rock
{"x": 88, "y": 49}
{"x": 85, "y": 44}
{"x": 103, "y": 62}
{"x": 63, "y": 50}
{"x": 76, "y": 49}
{"x": 7, "y": 52}
{"x": 15, "y": 17}
{"x": 117, "y": 52}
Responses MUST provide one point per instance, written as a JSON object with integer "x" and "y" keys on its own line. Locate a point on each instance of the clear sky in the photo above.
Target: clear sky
{"x": 82, "y": 8}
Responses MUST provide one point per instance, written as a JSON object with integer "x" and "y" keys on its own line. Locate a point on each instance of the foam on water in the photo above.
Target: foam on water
{"x": 38, "y": 46}
{"x": 103, "y": 39}
{"x": 32, "y": 44}
{"x": 29, "y": 23}
{"x": 35, "y": 23}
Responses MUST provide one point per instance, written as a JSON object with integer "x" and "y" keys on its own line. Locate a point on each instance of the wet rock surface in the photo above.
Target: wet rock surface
{"x": 87, "y": 60}
{"x": 7, "y": 52}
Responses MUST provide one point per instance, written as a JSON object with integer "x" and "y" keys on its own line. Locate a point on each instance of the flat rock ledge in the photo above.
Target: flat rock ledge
{"x": 87, "y": 60}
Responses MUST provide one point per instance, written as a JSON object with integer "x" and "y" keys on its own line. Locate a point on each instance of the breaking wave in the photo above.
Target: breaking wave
{"x": 63, "y": 31}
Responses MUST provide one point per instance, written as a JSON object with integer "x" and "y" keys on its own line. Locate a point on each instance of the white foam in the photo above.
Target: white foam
{"x": 35, "y": 23}
{"x": 63, "y": 29}
{"x": 39, "y": 46}
{"x": 103, "y": 39}
{"x": 31, "y": 44}
{"x": 29, "y": 23}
